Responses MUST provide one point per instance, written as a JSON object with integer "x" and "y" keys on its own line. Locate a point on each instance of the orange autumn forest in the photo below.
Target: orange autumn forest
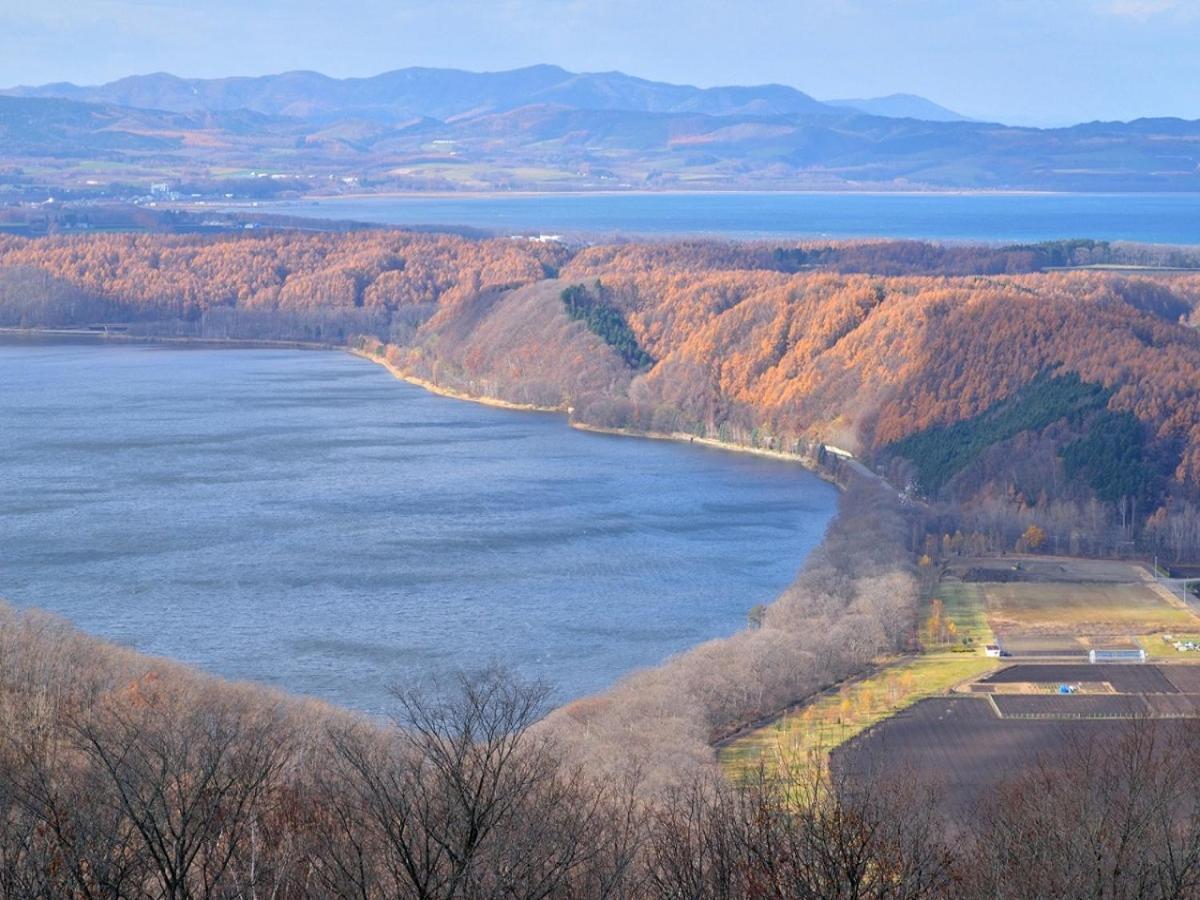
{"x": 860, "y": 346}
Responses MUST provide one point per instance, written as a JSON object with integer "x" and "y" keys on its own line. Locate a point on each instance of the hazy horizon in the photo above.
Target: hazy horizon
{"x": 1013, "y": 61}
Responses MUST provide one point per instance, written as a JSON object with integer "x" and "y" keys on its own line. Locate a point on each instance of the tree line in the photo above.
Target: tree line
{"x": 123, "y": 777}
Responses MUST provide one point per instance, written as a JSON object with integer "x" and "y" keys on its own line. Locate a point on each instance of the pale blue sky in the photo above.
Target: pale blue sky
{"x": 1030, "y": 61}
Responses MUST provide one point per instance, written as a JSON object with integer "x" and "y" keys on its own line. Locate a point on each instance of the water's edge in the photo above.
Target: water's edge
{"x": 431, "y": 387}
{"x": 677, "y": 437}
{"x": 809, "y": 464}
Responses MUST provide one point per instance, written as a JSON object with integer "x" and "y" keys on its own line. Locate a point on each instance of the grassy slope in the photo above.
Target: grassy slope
{"x": 1085, "y": 607}
{"x": 811, "y": 732}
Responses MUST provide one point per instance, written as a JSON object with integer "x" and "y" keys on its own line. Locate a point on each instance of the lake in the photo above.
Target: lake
{"x": 1146, "y": 218}
{"x": 305, "y": 520}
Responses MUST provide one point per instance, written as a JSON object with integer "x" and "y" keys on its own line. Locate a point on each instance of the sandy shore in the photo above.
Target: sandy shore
{"x": 450, "y": 392}
{"x": 678, "y": 437}
{"x": 682, "y": 437}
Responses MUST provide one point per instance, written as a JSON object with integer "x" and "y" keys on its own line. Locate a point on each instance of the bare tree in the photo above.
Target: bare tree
{"x": 189, "y": 775}
{"x": 463, "y": 800}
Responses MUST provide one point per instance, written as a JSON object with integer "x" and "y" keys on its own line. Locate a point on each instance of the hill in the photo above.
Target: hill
{"x": 1011, "y": 394}
{"x": 543, "y": 128}
{"x": 902, "y": 106}
{"x": 1005, "y": 394}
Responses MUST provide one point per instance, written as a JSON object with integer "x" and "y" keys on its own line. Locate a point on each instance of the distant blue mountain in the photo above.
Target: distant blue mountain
{"x": 544, "y": 126}
{"x": 434, "y": 93}
{"x": 902, "y": 106}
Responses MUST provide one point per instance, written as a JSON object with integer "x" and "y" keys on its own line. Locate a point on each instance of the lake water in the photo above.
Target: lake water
{"x": 1146, "y": 218}
{"x": 305, "y": 520}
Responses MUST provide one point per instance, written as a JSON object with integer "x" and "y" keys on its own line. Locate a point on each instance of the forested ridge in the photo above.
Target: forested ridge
{"x": 862, "y": 345}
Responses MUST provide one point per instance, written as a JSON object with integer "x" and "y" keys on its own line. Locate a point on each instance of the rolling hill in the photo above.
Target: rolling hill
{"x": 544, "y": 128}
{"x": 436, "y": 93}
{"x": 902, "y": 106}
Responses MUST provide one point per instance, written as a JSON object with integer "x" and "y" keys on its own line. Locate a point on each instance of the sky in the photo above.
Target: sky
{"x": 1038, "y": 62}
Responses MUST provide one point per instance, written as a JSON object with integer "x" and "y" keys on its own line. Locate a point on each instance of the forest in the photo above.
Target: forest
{"x": 123, "y": 776}
{"x": 605, "y": 322}
{"x": 1005, "y": 386}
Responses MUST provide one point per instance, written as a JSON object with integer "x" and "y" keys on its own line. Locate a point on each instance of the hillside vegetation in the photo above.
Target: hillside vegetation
{"x": 1017, "y": 395}
{"x": 123, "y": 776}
{"x": 542, "y": 128}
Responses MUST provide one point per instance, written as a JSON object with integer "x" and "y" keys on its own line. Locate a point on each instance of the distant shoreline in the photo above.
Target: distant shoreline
{"x": 961, "y": 217}
{"x": 678, "y": 437}
{"x": 121, "y": 337}
{"x": 317, "y": 199}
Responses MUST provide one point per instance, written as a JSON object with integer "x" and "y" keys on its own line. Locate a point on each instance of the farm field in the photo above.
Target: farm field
{"x": 813, "y": 730}
{"x": 977, "y": 738}
{"x": 1035, "y": 608}
{"x": 962, "y": 747}
{"x": 1052, "y": 607}
{"x": 1185, "y": 678}
{"x": 1125, "y": 679}
{"x": 1096, "y": 608}
{"x": 1048, "y": 569}
{"x": 1059, "y": 706}
{"x": 1157, "y": 647}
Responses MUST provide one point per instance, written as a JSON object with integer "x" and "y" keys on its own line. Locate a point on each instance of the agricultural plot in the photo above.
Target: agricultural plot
{"x": 1049, "y": 607}
{"x": 1185, "y": 678}
{"x": 976, "y": 720}
{"x": 1084, "y": 609}
{"x": 1159, "y": 647}
{"x": 963, "y": 748}
{"x": 813, "y": 730}
{"x": 1047, "y": 569}
{"x": 1165, "y": 706}
{"x": 1092, "y": 691}
{"x": 1125, "y": 679}
{"x": 1053, "y": 645}
{"x": 1071, "y": 706}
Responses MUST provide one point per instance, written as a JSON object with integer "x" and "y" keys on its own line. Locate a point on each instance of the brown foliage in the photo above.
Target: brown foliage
{"x": 172, "y": 276}
{"x": 182, "y": 786}
{"x": 747, "y": 350}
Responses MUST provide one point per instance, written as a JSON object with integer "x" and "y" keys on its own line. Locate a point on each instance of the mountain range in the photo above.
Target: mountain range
{"x": 543, "y": 128}
{"x": 449, "y": 94}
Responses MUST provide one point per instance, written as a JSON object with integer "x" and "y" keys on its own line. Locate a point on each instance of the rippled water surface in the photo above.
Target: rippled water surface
{"x": 305, "y": 520}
